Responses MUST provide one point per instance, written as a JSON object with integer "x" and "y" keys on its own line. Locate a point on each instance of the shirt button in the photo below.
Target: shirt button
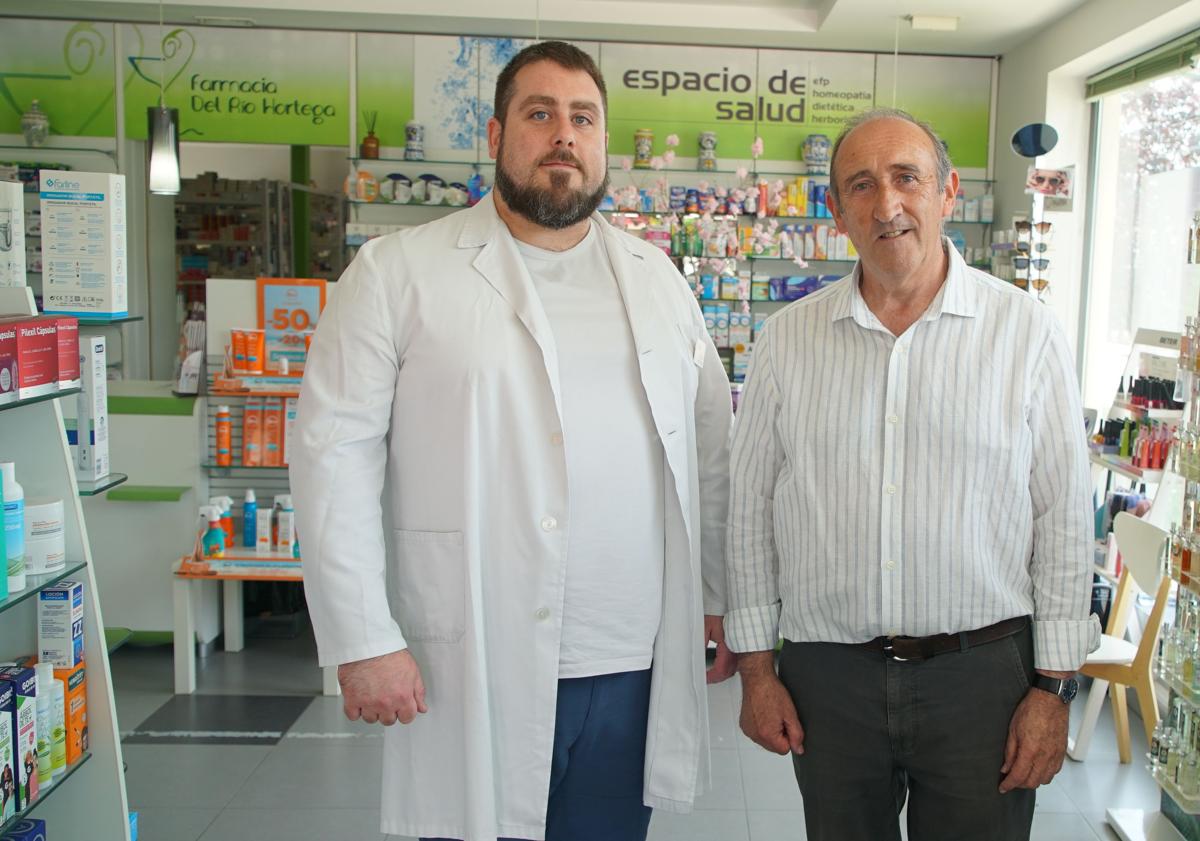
{"x": 549, "y": 524}
{"x": 893, "y": 419}
{"x": 890, "y": 565}
{"x": 542, "y": 614}
{"x": 556, "y": 439}
{"x": 891, "y": 489}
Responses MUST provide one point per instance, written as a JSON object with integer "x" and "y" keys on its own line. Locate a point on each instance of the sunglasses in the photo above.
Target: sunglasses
{"x": 1040, "y": 283}
{"x": 1051, "y": 180}
{"x": 1040, "y": 227}
{"x": 1040, "y": 247}
{"x": 1041, "y": 264}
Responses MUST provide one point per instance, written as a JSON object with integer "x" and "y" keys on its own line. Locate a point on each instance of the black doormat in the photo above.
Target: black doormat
{"x": 220, "y": 720}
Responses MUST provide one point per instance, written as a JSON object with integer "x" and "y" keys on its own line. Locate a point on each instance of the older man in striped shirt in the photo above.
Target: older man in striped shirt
{"x": 910, "y": 512}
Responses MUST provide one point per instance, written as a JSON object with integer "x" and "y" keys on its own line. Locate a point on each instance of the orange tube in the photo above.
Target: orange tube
{"x": 256, "y": 346}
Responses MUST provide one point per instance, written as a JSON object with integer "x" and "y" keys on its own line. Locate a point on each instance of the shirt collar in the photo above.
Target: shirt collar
{"x": 958, "y": 295}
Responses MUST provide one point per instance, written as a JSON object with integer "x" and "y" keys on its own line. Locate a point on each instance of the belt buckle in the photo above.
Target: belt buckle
{"x": 889, "y": 651}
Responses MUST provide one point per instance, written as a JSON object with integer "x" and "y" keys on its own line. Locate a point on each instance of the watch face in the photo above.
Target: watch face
{"x": 1070, "y": 689}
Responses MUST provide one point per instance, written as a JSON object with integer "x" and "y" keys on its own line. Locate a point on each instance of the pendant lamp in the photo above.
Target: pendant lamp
{"x": 163, "y": 122}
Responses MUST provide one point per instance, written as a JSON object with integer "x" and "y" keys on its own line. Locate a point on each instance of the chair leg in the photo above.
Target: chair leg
{"x": 1121, "y": 721}
{"x": 1077, "y": 748}
{"x": 1147, "y": 700}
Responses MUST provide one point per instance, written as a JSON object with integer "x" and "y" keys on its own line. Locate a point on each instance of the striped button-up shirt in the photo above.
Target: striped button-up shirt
{"x": 934, "y": 482}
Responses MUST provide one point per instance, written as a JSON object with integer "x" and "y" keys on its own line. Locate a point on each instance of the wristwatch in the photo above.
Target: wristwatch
{"x": 1064, "y": 689}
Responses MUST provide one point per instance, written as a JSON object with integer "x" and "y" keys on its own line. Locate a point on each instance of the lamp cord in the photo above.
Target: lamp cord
{"x": 162, "y": 60}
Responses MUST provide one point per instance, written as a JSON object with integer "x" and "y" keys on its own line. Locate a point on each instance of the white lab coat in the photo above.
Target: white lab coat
{"x": 430, "y": 490}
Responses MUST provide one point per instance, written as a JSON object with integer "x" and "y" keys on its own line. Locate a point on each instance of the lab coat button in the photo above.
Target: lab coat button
{"x": 556, "y": 439}
{"x": 891, "y": 489}
{"x": 542, "y": 614}
{"x": 890, "y": 565}
{"x": 893, "y": 419}
{"x": 549, "y": 524}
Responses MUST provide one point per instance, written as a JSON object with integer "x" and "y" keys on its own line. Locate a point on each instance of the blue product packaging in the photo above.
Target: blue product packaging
{"x": 709, "y": 291}
{"x": 26, "y": 829}
{"x": 133, "y": 826}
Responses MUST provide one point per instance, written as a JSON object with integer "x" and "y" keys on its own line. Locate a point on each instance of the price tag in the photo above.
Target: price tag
{"x": 288, "y": 308}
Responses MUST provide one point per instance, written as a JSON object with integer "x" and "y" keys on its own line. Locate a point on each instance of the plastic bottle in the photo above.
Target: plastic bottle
{"x": 227, "y": 521}
{"x": 45, "y": 736}
{"x": 249, "y": 519}
{"x": 214, "y": 536}
{"x": 3, "y": 544}
{"x": 224, "y": 430}
{"x": 14, "y": 527}
{"x": 287, "y": 527}
{"x": 58, "y": 727}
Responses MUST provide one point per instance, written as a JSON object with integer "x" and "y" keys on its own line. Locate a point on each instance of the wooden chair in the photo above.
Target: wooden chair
{"x": 1118, "y": 664}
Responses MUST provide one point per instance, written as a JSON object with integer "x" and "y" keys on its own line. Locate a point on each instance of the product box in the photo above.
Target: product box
{"x": 68, "y": 349}
{"x": 987, "y": 207}
{"x": 60, "y": 625}
{"x": 721, "y": 326}
{"x": 36, "y": 354}
{"x": 8, "y": 746}
{"x": 26, "y": 829}
{"x": 710, "y": 320}
{"x": 739, "y": 329}
{"x": 252, "y": 433}
{"x": 12, "y": 234}
{"x": 708, "y": 287}
{"x": 23, "y": 681}
{"x": 8, "y": 362}
{"x": 273, "y": 432}
{"x": 92, "y": 419}
{"x": 84, "y": 244}
{"x": 729, "y": 288}
{"x": 291, "y": 407}
{"x": 75, "y": 683}
{"x": 741, "y": 361}
{"x": 971, "y": 211}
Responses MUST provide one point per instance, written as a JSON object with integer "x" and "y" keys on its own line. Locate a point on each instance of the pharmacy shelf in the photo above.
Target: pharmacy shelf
{"x": 45, "y": 791}
{"x": 223, "y": 469}
{"x": 422, "y": 161}
{"x": 223, "y": 243}
{"x": 1191, "y": 805}
{"x": 99, "y": 486}
{"x": 1124, "y": 468}
{"x": 217, "y": 200}
{"x": 1140, "y": 412}
{"x": 385, "y": 203}
{"x": 66, "y": 392}
{"x": 34, "y": 584}
{"x": 1189, "y": 695}
{"x": 105, "y": 322}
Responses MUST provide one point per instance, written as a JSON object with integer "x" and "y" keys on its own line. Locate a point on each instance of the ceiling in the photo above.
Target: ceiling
{"x": 986, "y": 27}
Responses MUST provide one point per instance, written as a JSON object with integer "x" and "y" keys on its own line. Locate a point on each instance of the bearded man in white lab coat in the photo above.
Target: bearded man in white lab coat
{"x": 510, "y": 475}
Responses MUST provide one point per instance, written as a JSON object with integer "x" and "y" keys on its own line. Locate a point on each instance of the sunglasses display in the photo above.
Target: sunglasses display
{"x": 1041, "y": 263}
{"x": 1041, "y": 247}
{"x": 1024, "y": 225}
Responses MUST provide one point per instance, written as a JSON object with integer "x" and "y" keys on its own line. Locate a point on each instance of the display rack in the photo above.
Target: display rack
{"x": 91, "y": 802}
{"x": 1179, "y": 815}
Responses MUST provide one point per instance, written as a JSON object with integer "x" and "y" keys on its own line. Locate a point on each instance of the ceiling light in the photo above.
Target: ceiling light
{"x": 933, "y": 23}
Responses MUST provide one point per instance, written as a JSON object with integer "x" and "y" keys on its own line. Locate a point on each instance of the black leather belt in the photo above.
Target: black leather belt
{"x": 922, "y": 648}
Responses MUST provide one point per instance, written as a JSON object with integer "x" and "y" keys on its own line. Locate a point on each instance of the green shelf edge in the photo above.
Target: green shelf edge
{"x": 148, "y": 493}
{"x": 167, "y": 406}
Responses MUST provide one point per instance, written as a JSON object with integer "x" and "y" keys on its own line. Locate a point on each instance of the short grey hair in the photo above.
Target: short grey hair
{"x": 939, "y": 148}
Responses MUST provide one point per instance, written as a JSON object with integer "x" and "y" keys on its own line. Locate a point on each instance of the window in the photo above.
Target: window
{"x": 1147, "y": 159}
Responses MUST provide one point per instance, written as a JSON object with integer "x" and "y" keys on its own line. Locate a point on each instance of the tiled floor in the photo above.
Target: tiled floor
{"x": 319, "y": 782}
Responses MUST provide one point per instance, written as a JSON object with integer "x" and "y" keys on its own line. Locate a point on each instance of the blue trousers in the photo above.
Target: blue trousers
{"x": 599, "y": 756}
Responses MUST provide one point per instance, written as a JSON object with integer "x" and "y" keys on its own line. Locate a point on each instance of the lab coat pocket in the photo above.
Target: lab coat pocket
{"x": 430, "y": 587}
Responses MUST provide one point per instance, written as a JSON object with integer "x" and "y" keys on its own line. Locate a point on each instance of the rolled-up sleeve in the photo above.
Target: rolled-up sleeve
{"x": 1064, "y": 632}
{"x": 752, "y": 623}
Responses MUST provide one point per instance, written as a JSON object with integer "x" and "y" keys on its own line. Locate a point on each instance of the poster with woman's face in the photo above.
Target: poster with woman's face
{"x": 1057, "y": 183}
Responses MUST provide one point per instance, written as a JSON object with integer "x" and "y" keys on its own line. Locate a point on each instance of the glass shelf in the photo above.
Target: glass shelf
{"x": 431, "y": 162}
{"x": 231, "y": 243}
{"x": 35, "y": 151}
{"x": 34, "y": 584}
{"x": 409, "y": 204}
{"x": 217, "y": 200}
{"x": 99, "y": 486}
{"x": 242, "y": 467}
{"x": 64, "y": 393}
{"x": 45, "y": 791}
{"x": 104, "y": 322}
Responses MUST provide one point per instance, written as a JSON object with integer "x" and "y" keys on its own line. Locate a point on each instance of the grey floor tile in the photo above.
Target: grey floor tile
{"x": 145, "y": 669}
{"x": 325, "y": 717}
{"x": 135, "y": 706}
{"x": 1057, "y": 826}
{"x": 1054, "y": 798}
{"x": 319, "y": 775}
{"x": 188, "y": 776}
{"x": 777, "y": 825}
{"x": 726, "y": 792}
{"x": 295, "y": 825}
{"x": 770, "y": 782}
{"x": 729, "y": 825}
{"x": 174, "y": 824}
{"x": 722, "y": 723}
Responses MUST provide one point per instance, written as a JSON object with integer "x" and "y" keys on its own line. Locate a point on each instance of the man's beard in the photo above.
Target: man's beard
{"x": 556, "y": 208}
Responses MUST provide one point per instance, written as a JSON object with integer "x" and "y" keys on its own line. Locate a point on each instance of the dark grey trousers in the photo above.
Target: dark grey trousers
{"x": 878, "y": 731}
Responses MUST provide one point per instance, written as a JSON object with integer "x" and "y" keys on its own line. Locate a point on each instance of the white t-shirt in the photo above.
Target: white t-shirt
{"x": 616, "y": 538}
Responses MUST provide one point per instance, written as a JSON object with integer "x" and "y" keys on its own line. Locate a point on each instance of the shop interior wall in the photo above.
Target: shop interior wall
{"x": 1043, "y": 81}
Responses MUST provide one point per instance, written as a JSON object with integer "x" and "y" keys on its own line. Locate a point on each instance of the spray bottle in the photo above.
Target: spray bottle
{"x": 14, "y": 527}
{"x": 213, "y": 540}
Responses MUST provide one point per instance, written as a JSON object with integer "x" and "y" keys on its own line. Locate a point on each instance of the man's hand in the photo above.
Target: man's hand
{"x": 383, "y": 689}
{"x": 1037, "y": 741}
{"x": 768, "y": 716}
{"x": 725, "y": 663}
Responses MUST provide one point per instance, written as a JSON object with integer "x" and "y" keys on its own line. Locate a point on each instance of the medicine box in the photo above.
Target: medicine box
{"x": 84, "y": 251}
{"x": 92, "y": 462}
{"x": 36, "y": 347}
{"x": 60, "y": 624}
{"x": 68, "y": 350}
{"x": 23, "y": 682}
{"x": 26, "y": 829}
{"x": 8, "y": 747}
{"x": 75, "y": 683}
